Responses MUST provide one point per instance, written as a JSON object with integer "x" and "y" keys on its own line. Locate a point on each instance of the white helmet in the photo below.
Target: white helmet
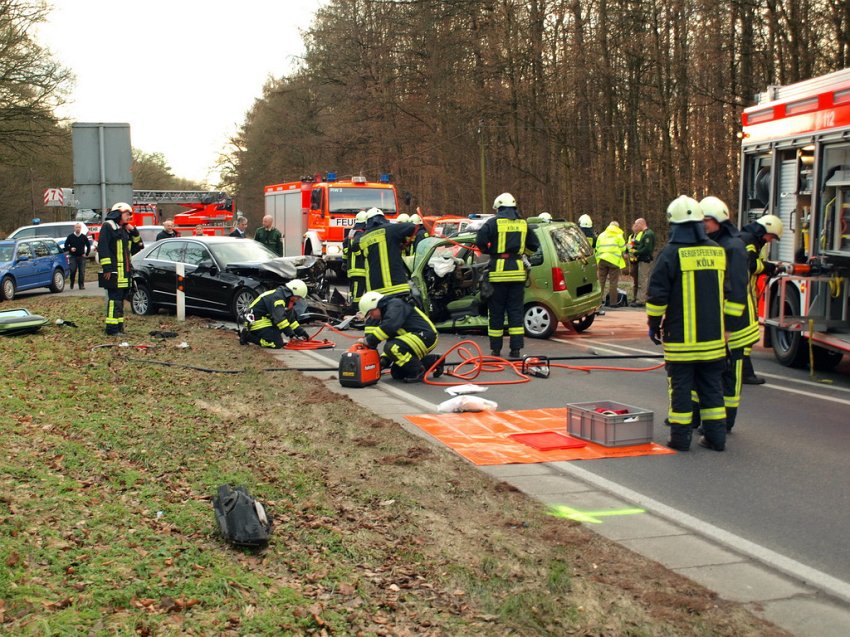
{"x": 403, "y": 218}
{"x": 714, "y": 208}
{"x": 684, "y": 209}
{"x": 369, "y": 302}
{"x": 415, "y": 218}
{"x": 772, "y": 224}
{"x": 585, "y": 221}
{"x": 545, "y": 216}
{"x": 360, "y": 217}
{"x": 505, "y": 200}
{"x": 123, "y": 207}
{"x": 298, "y": 288}
{"x": 374, "y": 212}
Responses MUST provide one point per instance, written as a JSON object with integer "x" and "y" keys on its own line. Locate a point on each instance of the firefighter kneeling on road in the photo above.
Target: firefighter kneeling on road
{"x": 272, "y": 314}
{"x": 686, "y": 292}
{"x": 409, "y": 334}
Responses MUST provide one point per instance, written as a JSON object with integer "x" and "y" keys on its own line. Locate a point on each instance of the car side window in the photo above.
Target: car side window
{"x": 40, "y": 249}
{"x": 195, "y": 253}
{"x": 26, "y": 233}
{"x": 24, "y": 250}
{"x": 52, "y": 247}
{"x": 171, "y": 251}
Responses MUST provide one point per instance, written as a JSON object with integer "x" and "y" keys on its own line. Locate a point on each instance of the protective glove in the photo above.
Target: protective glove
{"x": 769, "y": 268}
{"x": 654, "y": 333}
{"x": 301, "y": 334}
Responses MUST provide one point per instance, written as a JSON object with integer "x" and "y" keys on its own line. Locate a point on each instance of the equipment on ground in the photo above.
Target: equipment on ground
{"x": 315, "y": 213}
{"x": 795, "y": 181}
{"x": 360, "y": 366}
{"x": 19, "y": 321}
{"x": 241, "y": 519}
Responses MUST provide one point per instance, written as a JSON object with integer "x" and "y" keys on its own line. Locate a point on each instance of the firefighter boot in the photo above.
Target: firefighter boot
{"x": 714, "y": 435}
{"x": 680, "y": 437}
{"x": 429, "y": 360}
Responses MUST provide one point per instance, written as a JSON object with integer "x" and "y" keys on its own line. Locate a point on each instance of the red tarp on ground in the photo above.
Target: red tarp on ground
{"x": 484, "y": 438}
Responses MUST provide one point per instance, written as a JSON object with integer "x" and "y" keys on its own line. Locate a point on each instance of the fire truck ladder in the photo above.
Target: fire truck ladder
{"x": 179, "y": 196}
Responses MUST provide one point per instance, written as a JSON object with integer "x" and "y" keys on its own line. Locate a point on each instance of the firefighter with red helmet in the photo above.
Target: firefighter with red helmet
{"x": 119, "y": 240}
{"x": 684, "y": 310}
{"x": 272, "y": 314}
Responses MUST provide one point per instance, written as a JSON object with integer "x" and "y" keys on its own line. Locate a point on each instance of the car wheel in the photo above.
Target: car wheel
{"x": 539, "y": 321}
{"x": 242, "y": 300}
{"x": 57, "y": 283}
{"x": 789, "y": 346}
{"x": 7, "y": 288}
{"x": 581, "y": 324}
{"x": 141, "y": 301}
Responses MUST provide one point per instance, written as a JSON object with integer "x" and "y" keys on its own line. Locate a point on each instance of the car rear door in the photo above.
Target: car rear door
{"x": 205, "y": 289}
{"x": 573, "y": 255}
{"x": 161, "y": 265}
{"x": 43, "y": 263}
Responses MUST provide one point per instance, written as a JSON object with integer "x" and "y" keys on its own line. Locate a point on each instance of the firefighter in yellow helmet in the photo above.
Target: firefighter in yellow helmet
{"x": 506, "y": 237}
{"x": 406, "y": 331}
{"x": 684, "y": 309}
{"x": 353, "y": 261}
{"x": 272, "y": 314}
{"x": 756, "y": 236}
{"x": 119, "y": 240}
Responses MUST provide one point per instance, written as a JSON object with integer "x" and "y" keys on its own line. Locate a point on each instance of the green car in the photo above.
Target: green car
{"x": 447, "y": 275}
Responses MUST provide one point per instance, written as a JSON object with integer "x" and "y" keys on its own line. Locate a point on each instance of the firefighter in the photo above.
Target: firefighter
{"x": 408, "y": 333}
{"x": 421, "y": 233}
{"x": 741, "y": 322}
{"x": 545, "y": 217}
{"x": 272, "y": 314}
{"x": 586, "y": 225}
{"x": 353, "y": 262}
{"x": 610, "y": 247}
{"x": 506, "y": 238}
{"x": 403, "y": 218}
{"x": 119, "y": 240}
{"x": 755, "y": 236}
{"x": 382, "y": 244}
{"x": 685, "y": 311}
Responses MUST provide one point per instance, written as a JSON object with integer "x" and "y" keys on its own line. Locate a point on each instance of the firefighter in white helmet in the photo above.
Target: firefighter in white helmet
{"x": 403, "y": 218}
{"x": 273, "y": 314}
{"x": 406, "y": 331}
{"x": 756, "y": 236}
{"x": 353, "y": 262}
{"x": 119, "y": 240}
{"x": 419, "y": 234}
{"x": 684, "y": 309}
{"x": 741, "y": 321}
{"x": 586, "y": 225}
{"x": 506, "y": 237}
{"x": 382, "y": 245}
{"x": 545, "y": 217}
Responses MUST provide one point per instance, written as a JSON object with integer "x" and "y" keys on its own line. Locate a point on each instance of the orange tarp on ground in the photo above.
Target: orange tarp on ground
{"x": 484, "y": 437}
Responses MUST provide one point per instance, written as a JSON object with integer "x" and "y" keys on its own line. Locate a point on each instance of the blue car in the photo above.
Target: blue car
{"x": 31, "y": 263}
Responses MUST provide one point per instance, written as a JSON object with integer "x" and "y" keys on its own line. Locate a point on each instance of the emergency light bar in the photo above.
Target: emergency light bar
{"x": 385, "y": 178}
{"x": 358, "y": 179}
{"x": 331, "y": 177}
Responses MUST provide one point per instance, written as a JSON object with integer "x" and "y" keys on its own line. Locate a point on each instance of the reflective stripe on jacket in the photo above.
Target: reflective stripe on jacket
{"x": 506, "y": 238}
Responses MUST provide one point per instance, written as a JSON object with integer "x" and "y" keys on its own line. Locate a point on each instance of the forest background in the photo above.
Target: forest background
{"x": 605, "y": 107}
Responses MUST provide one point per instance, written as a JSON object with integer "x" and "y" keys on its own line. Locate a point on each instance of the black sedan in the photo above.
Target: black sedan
{"x": 223, "y": 275}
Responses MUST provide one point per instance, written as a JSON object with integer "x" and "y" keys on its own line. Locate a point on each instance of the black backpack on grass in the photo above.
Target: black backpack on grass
{"x": 241, "y": 519}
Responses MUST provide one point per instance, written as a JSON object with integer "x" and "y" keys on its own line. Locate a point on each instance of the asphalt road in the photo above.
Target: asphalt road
{"x": 783, "y": 482}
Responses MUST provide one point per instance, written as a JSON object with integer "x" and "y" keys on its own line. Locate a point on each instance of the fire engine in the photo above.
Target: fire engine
{"x": 213, "y": 210}
{"x": 315, "y": 213}
{"x": 796, "y": 165}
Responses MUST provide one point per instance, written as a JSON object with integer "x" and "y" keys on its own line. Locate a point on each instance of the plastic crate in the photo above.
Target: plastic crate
{"x": 633, "y": 428}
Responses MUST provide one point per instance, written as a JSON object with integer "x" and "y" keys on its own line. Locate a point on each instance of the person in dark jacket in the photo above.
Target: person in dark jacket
{"x": 419, "y": 234}
{"x": 167, "y": 232}
{"x": 353, "y": 261}
{"x": 741, "y": 321}
{"x": 586, "y": 225}
{"x": 407, "y": 332}
{"x": 641, "y": 245}
{"x": 119, "y": 240}
{"x": 684, "y": 310}
{"x": 239, "y": 228}
{"x": 77, "y": 245}
{"x": 755, "y": 236}
{"x": 273, "y": 314}
{"x": 506, "y": 238}
{"x": 382, "y": 244}
{"x": 270, "y": 236}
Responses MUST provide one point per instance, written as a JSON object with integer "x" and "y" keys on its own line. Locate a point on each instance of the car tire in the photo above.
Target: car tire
{"x": 583, "y": 323}
{"x": 539, "y": 321}
{"x": 789, "y": 347}
{"x": 242, "y": 298}
{"x": 8, "y": 289}
{"x": 57, "y": 281}
{"x": 141, "y": 301}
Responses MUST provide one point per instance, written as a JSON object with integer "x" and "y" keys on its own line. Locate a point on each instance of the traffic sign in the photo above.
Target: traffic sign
{"x": 54, "y": 197}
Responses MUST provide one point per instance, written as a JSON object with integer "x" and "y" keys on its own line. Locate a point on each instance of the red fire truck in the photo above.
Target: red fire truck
{"x": 796, "y": 165}
{"x": 213, "y": 210}
{"x": 314, "y": 214}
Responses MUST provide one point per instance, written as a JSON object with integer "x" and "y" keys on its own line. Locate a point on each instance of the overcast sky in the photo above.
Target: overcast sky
{"x": 182, "y": 73}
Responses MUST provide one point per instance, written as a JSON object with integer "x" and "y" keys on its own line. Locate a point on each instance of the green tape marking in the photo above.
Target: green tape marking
{"x": 589, "y": 517}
